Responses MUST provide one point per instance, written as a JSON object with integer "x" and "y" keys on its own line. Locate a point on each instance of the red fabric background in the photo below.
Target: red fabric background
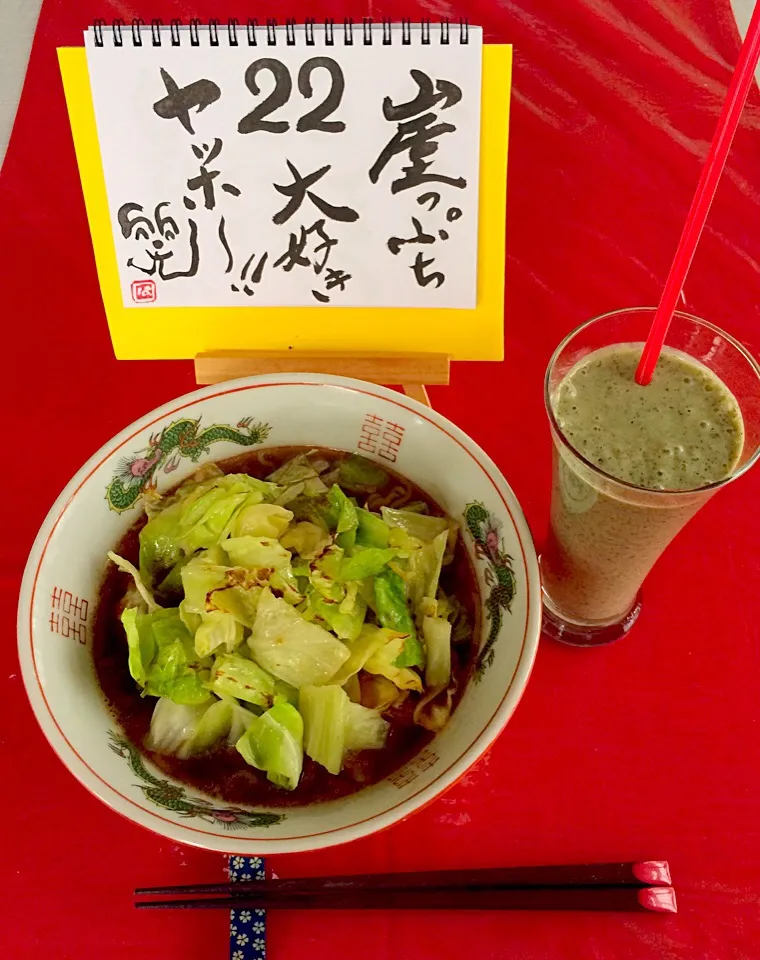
{"x": 646, "y": 749}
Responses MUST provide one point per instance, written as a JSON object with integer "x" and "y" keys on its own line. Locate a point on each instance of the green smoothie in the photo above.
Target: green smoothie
{"x": 681, "y": 432}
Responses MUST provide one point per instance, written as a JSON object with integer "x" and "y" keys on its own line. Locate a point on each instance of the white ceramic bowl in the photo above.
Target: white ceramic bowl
{"x": 66, "y": 565}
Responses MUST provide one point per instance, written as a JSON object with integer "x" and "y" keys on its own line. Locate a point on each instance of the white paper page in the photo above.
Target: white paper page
{"x": 209, "y": 209}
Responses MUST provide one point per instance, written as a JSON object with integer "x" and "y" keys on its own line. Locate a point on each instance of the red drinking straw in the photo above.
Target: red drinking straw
{"x": 703, "y": 198}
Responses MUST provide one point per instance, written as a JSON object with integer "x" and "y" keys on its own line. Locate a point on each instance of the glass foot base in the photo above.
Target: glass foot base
{"x": 554, "y": 625}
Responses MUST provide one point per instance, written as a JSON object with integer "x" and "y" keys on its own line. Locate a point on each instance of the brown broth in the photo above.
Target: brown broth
{"x": 224, "y": 774}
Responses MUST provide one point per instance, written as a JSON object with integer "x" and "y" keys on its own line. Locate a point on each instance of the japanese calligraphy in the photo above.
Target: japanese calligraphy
{"x": 179, "y": 102}
{"x": 420, "y": 264}
{"x": 299, "y": 189}
{"x": 294, "y": 169}
{"x": 416, "y": 134}
{"x": 295, "y": 256}
{"x": 205, "y": 179}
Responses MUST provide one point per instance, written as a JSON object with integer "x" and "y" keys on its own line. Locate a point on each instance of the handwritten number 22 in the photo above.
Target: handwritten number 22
{"x": 283, "y": 87}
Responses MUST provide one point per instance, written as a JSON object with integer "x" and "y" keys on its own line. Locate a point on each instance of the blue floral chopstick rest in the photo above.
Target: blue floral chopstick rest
{"x": 247, "y": 927}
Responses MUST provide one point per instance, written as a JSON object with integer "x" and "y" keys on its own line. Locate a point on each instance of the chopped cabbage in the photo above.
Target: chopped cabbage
{"x": 301, "y": 616}
{"x": 199, "y": 578}
{"x": 200, "y": 517}
{"x": 256, "y": 552}
{"x": 215, "y": 511}
{"x": 298, "y": 469}
{"x": 324, "y": 718}
{"x": 216, "y": 629}
{"x": 372, "y": 530}
{"x": 300, "y": 476}
{"x": 346, "y": 519}
{"x": 261, "y": 520}
{"x": 291, "y": 648}
{"x": 417, "y": 525}
{"x": 126, "y": 567}
{"x": 185, "y": 731}
{"x": 345, "y": 617}
{"x": 365, "y": 562}
{"x": 239, "y": 599}
{"x": 365, "y": 728}
{"x": 162, "y": 658}
{"x": 437, "y": 635}
{"x": 316, "y": 510}
{"x": 325, "y": 571}
{"x": 393, "y": 613}
{"x": 359, "y": 475}
{"x": 159, "y": 543}
{"x": 190, "y": 619}
{"x": 307, "y": 539}
{"x": 333, "y": 725}
{"x": 370, "y": 640}
{"x": 173, "y": 727}
{"x": 385, "y": 662}
{"x": 142, "y": 646}
{"x": 241, "y": 678}
{"x": 274, "y": 743}
{"x": 224, "y": 719}
{"x": 211, "y": 586}
{"x": 422, "y": 571}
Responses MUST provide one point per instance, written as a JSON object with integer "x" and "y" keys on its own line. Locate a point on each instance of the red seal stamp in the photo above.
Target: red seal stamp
{"x": 143, "y": 291}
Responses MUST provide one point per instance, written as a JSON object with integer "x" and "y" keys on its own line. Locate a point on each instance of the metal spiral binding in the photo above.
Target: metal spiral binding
{"x": 256, "y": 35}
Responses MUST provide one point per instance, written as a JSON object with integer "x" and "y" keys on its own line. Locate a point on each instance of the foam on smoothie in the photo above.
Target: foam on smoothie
{"x": 682, "y": 431}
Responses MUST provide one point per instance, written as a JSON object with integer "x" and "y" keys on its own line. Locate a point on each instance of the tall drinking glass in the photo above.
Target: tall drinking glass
{"x": 606, "y": 533}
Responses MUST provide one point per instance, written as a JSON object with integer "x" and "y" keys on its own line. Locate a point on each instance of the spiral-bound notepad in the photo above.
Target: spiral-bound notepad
{"x": 264, "y": 187}
{"x": 291, "y": 166}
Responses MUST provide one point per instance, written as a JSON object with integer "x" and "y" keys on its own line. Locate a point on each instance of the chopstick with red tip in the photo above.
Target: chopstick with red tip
{"x": 637, "y": 886}
{"x": 619, "y": 899}
{"x": 646, "y": 873}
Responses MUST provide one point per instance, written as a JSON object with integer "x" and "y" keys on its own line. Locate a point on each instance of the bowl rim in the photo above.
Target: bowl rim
{"x": 234, "y": 843}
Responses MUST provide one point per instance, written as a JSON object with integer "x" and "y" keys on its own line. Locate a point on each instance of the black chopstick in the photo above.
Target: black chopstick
{"x": 615, "y": 898}
{"x": 641, "y": 874}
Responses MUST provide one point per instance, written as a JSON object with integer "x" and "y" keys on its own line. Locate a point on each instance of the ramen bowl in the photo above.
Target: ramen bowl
{"x": 67, "y": 563}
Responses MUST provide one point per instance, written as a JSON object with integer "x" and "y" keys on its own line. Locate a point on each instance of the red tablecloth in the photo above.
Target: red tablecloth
{"x": 650, "y": 748}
